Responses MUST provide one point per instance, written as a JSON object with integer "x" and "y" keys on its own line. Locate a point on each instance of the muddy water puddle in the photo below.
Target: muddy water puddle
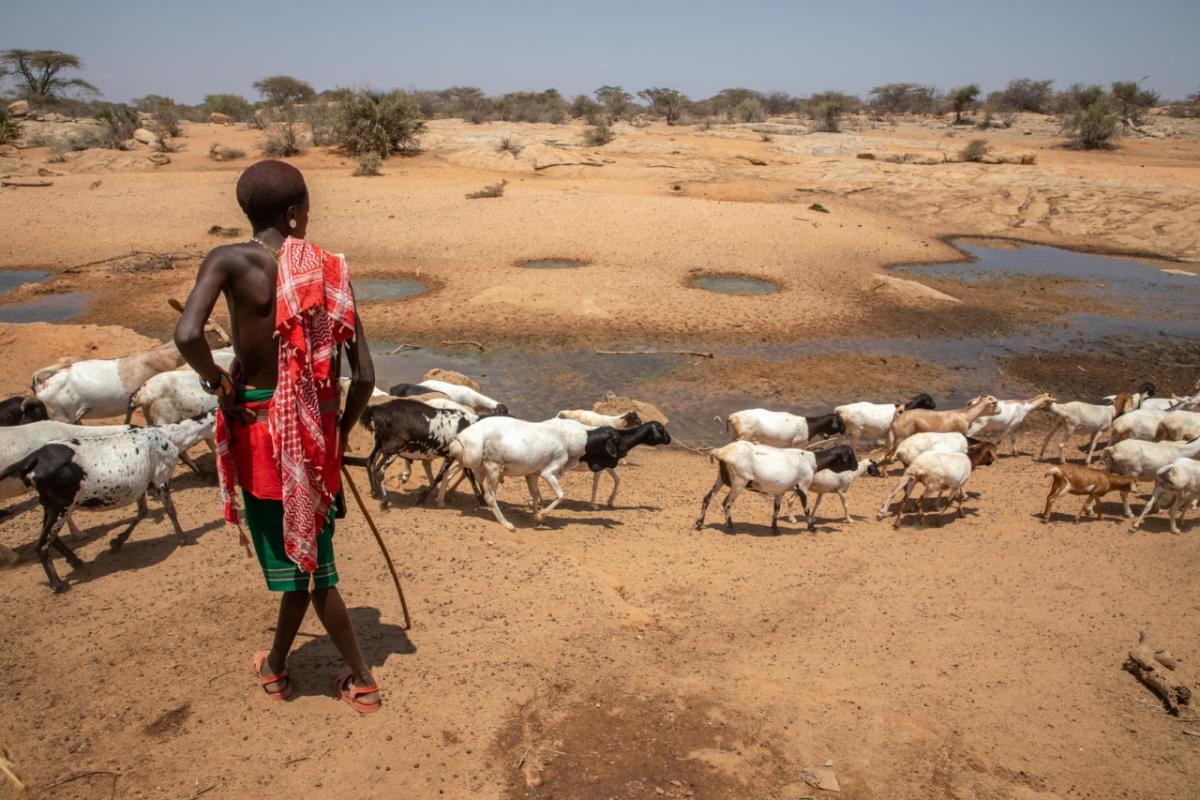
{"x": 46, "y": 308}
{"x": 552, "y": 263}
{"x": 536, "y": 383}
{"x": 375, "y": 289}
{"x": 13, "y": 280}
{"x": 733, "y": 284}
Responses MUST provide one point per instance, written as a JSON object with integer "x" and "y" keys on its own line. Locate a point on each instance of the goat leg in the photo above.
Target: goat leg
{"x": 491, "y": 481}
{"x": 535, "y": 494}
{"x": 75, "y": 561}
{"x": 552, "y": 480}
{"x": 52, "y": 521}
{"x": 808, "y": 513}
{"x": 612, "y": 498}
{"x": 1092, "y": 447}
{"x": 423, "y": 495}
{"x": 1046, "y": 443}
{"x": 777, "y": 500}
{"x": 164, "y": 495}
{"x": 116, "y": 544}
{"x": 1137, "y": 523}
{"x": 699, "y": 523}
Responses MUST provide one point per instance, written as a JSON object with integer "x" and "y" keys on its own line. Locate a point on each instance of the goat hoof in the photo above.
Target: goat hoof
{"x": 60, "y": 587}
{"x": 115, "y": 546}
{"x": 697, "y": 525}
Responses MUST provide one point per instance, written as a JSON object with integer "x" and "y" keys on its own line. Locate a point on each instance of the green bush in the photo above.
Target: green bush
{"x": 1023, "y": 94}
{"x": 584, "y": 107}
{"x": 1091, "y": 128}
{"x": 828, "y": 116}
{"x": 231, "y": 105}
{"x": 598, "y": 135}
{"x": 10, "y": 129}
{"x": 975, "y": 150}
{"x": 368, "y": 165}
{"x": 118, "y": 124}
{"x": 322, "y": 119}
{"x": 547, "y": 106}
{"x": 374, "y": 122}
{"x": 1130, "y": 102}
{"x": 750, "y": 111}
{"x": 962, "y": 99}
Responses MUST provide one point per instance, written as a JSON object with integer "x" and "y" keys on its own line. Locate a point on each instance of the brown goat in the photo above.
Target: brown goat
{"x": 1095, "y": 483}
{"x": 920, "y": 420}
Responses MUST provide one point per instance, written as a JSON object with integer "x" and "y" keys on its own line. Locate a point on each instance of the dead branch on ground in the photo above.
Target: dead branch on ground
{"x": 467, "y": 342}
{"x": 403, "y": 347}
{"x": 1153, "y": 668}
{"x": 652, "y": 353}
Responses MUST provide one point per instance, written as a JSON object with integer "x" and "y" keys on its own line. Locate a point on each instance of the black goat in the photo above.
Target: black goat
{"x": 21, "y": 411}
{"x": 651, "y": 434}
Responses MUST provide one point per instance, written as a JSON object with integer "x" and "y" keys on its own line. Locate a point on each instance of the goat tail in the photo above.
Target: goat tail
{"x": 1053, "y": 472}
{"x": 40, "y": 377}
{"x": 132, "y": 406}
{"x": 723, "y": 422}
{"x": 367, "y": 420}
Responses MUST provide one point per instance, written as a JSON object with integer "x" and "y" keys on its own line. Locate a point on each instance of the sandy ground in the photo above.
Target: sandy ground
{"x": 619, "y": 653}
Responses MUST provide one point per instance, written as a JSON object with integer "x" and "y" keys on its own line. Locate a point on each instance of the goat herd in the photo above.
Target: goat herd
{"x": 43, "y": 447}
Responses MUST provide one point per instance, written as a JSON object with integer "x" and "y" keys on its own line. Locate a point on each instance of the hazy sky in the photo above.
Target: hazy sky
{"x": 188, "y": 49}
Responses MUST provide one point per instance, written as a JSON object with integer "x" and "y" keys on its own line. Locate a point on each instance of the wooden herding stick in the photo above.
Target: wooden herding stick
{"x": 379, "y": 539}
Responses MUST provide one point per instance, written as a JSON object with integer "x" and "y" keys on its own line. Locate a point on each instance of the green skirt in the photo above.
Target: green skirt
{"x": 264, "y": 518}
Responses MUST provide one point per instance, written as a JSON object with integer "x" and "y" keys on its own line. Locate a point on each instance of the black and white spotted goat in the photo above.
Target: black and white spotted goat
{"x": 414, "y": 431}
{"x": 105, "y": 472}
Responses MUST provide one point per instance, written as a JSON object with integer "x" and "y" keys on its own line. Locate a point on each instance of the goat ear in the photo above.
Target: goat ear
{"x": 175, "y": 304}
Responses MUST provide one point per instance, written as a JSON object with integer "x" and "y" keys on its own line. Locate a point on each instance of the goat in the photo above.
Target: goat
{"x": 1140, "y": 424}
{"x": 651, "y": 434}
{"x": 1009, "y": 416}
{"x": 1142, "y": 460}
{"x": 1181, "y": 479}
{"x": 941, "y": 471}
{"x": 499, "y": 447}
{"x": 21, "y": 411}
{"x": 1086, "y": 417}
{"x": 908, "y": 450}
{"x": 102, "y": 387}
{"x": 780, "y": 429}
{"x": 621, "y": 422}
{"x": 170, "y": 397}
{"x": 463, "y": 395}
{"x": 411, "y": 430}
{"x": 1178, "y": 426}
{"x": 771, "y": 471}
{"x": 826, "y": 481}
{"x": 1094, "y": 483}
{"x": 18, "y": 442}
{"x": 923, "y": 421}
{"x": 104, "y": 472}
{"x": 873, "y": 421}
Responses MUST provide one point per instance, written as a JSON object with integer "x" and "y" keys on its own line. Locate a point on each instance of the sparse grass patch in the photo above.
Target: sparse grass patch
{"x": 219, "y": 152}
{"x": 818, "y": 208}
{"x": 227, "y": 233}
{"x": 828, "y": 116}
{"x": 368, "y": 165}
{"x": 765, "y": 137}
{"x": 119, "y": 122}
{"x": 509, "y": 145}
{"x": 598, "y": 136}
{"x": 491, "y": 190}
{"x": 10, "y": 129}
{"x": 975, "y": 150}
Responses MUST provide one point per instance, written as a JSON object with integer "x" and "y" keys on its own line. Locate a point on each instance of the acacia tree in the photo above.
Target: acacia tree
{"x": 962, "y": 98}
{"x": 615, "y": 101}
{"x": 40, "y": 71}
{"x": 283, "y": 90}
{"x": 668, "y": 102}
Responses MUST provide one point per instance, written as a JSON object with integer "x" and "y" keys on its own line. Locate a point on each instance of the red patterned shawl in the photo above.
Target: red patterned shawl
{"x": 314, "y": 312}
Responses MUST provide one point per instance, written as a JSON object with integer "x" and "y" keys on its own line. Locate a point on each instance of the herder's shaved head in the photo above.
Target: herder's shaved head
{"x": 267, "y": 189}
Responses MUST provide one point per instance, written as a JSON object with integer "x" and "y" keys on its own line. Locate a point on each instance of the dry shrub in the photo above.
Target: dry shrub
{"x": 283, "y": 141}
{"x": 975, "y": 150}
{"x": 491, "y": 190}
{"x": 598, "y": 135}
{"x": 368, "y": 165}
{"x": 508, "y": 145}
{"x": 219, "y": 152}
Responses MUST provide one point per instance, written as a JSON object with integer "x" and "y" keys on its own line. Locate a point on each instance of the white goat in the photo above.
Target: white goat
{"x": 781, "y": 429}
{"x": 827, "y": 481}
{"x": 1178, "y": 426}
{"x": 621, "y": 422}
{"x": 102, "y": 387}
{"x": 171, "y": 397}
{"x": 930, "y": 441}
{"x": 1140, "y": 424}
{"x": 501, "y": 447}
{"x": 464, "y": 395}
{"x": 1004, "y": 423}
{"x": 773, "y": 471}
{"x": 1181, "y": 479}
{"x": 1088, "y": 418}
{"x": 945, "y": 472}
{"x": 104, "y": 472}
{"x": 873, "y": 421}
{"x": 1143, "y": 460}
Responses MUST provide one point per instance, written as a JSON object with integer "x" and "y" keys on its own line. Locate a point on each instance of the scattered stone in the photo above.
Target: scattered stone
{"x": 159, "y": 159}
{"x": 821, "y": 779}
{"x": 145, "y": 136}
{"x": 820, "y": 209}
{"x": 908, "y": 291}
{"x": 217, "y": 118}
{"x": 20, "y": 108}
{"x": 228, "y": 233}
{"x": 866, "y": 156}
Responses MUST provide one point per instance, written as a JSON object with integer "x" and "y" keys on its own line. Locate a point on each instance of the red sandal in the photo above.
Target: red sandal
{"x": 347, "y": 691}
{"x": 256, "y": 664}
